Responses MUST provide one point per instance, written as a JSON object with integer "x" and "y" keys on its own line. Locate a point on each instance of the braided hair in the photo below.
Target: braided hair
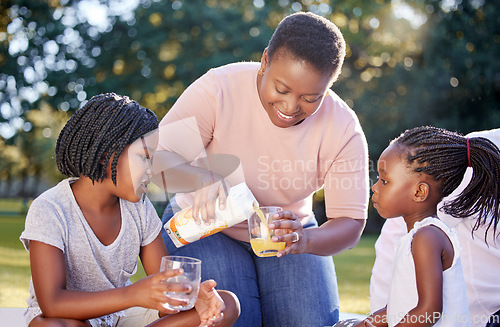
{"x": 104, "y": 126}
{"x": 445, "y": 156}
{"x": 312, "y": 38}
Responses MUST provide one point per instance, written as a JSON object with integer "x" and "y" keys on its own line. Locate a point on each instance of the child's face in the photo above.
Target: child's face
{"x": 134, "y": 167}
{"x": 290, "y": 90}
{"x": 394, "y": 190}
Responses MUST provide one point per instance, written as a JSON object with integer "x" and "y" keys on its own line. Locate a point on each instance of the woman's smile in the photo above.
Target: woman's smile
{"x": 290, "y": 90}
{"x": 286, "y": 117}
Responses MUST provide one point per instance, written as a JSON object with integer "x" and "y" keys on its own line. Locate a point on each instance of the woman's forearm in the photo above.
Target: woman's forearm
{"x": 334, "y": 236}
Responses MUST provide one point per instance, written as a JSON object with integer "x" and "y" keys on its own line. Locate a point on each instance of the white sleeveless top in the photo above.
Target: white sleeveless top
{"x": 403, "y": 294}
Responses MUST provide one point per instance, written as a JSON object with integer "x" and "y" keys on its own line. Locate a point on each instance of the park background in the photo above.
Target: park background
{"x": 408, "y": 63}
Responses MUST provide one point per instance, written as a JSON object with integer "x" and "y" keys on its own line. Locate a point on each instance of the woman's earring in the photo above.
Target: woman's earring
{"x": 261, "y": 72}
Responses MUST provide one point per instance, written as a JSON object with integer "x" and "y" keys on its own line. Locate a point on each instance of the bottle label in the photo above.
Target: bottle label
{"x": 239, "y": 206}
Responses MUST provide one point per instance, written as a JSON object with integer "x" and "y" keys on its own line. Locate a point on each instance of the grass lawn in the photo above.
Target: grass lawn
{"x": 14, "y": 263}
{"x": 353, "y": 268}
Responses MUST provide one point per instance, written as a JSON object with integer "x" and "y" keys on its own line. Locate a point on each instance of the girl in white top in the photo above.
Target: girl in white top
{"x": 416, "y": 171}
{"x": 480, "y": 256}
{"x": 85, "y": 234}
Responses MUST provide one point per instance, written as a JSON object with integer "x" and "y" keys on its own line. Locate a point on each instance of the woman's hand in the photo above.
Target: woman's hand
{"x": 210, "y": 187}
{"x": 150, "y": 292}
{"x": 209, "y": 304}
{"x": 288, "y": 228}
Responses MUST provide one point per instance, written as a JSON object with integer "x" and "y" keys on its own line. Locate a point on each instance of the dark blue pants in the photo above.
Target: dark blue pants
{"x": 294, "y": 290}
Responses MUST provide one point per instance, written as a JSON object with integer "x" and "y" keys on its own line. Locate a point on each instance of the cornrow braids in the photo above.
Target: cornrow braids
{"x": 104, "y": 126}
{"x": 445, "y": 156}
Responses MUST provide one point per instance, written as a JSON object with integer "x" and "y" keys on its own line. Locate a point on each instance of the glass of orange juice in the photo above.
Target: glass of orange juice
{"x": 260, "y": 234}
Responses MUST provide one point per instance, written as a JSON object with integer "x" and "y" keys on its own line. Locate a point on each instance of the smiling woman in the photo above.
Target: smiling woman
{"x": 293, "y": 135}
{"x": 290, "y": 90}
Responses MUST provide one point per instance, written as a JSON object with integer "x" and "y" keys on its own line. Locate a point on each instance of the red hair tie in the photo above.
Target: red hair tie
{"x": 468, "y": 152}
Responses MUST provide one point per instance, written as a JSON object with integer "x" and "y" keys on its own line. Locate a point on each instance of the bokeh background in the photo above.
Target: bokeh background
{"x": 408, "y": 63}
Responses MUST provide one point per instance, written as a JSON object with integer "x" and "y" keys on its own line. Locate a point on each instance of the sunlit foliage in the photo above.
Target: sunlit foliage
{"x": 408, "y": 62}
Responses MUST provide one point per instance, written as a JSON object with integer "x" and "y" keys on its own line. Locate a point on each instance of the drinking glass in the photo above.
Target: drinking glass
{"x": 191, "y": 276}
{"x": 260, "y": 234}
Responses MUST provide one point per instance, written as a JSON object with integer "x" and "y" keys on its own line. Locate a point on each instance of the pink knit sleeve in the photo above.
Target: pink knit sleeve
{"x": 347, "y": 183}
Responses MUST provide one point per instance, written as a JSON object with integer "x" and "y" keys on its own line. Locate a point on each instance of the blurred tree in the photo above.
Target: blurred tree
{"x": 408, "y": 62}
{"x": 424, "y": 63}
{"x": 460, "y": 61}
{"x": 167, "y": 46}
{"x": 436, "y": 66}
{"x": 41, "y": 55}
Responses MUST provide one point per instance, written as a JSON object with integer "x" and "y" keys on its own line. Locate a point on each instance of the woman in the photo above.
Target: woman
{"x": 293, "y": 136}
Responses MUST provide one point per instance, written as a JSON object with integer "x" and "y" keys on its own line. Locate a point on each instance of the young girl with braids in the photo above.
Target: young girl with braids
{"x": 84, "y": 235}
{"x": 480, "y": 250}
{"x": 416, "y": 171}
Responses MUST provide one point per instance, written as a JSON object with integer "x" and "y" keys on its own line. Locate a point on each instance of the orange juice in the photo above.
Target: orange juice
{"x": 260, "y": 214}
{"x": 265, "y": 247}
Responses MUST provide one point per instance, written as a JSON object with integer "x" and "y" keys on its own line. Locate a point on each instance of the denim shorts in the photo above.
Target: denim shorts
{"x": 294, "y": 290}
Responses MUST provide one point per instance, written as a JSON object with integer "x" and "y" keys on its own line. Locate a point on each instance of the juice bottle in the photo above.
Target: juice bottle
{"x": 239, "y": 206}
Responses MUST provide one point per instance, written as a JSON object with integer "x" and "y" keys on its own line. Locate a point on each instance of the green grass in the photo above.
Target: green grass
{"x": 12, "y": 207}
{"x": 14, "y": 263}
{"x": 353, "y": 268}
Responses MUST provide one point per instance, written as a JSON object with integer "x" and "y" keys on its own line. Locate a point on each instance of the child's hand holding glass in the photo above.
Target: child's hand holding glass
{"x": 150, "y": 292}
{"x": 207, "y": 302}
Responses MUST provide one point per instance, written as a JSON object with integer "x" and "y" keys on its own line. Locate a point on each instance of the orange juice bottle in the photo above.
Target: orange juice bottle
{"x": 239, "y": 206}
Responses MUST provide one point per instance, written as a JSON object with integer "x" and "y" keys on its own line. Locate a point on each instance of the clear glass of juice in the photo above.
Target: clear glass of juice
{"x": 260, "y": 234}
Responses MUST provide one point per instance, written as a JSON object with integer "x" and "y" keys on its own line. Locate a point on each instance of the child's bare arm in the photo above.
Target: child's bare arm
{"x": 427, "y": 249}
{"x": 151, "y": 255}
{"x": 49, "y": 280}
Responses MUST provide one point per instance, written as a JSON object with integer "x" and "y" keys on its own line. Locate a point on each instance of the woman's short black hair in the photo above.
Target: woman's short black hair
{"x": 104, "y": 126}
{"x": 311, "y": 38}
